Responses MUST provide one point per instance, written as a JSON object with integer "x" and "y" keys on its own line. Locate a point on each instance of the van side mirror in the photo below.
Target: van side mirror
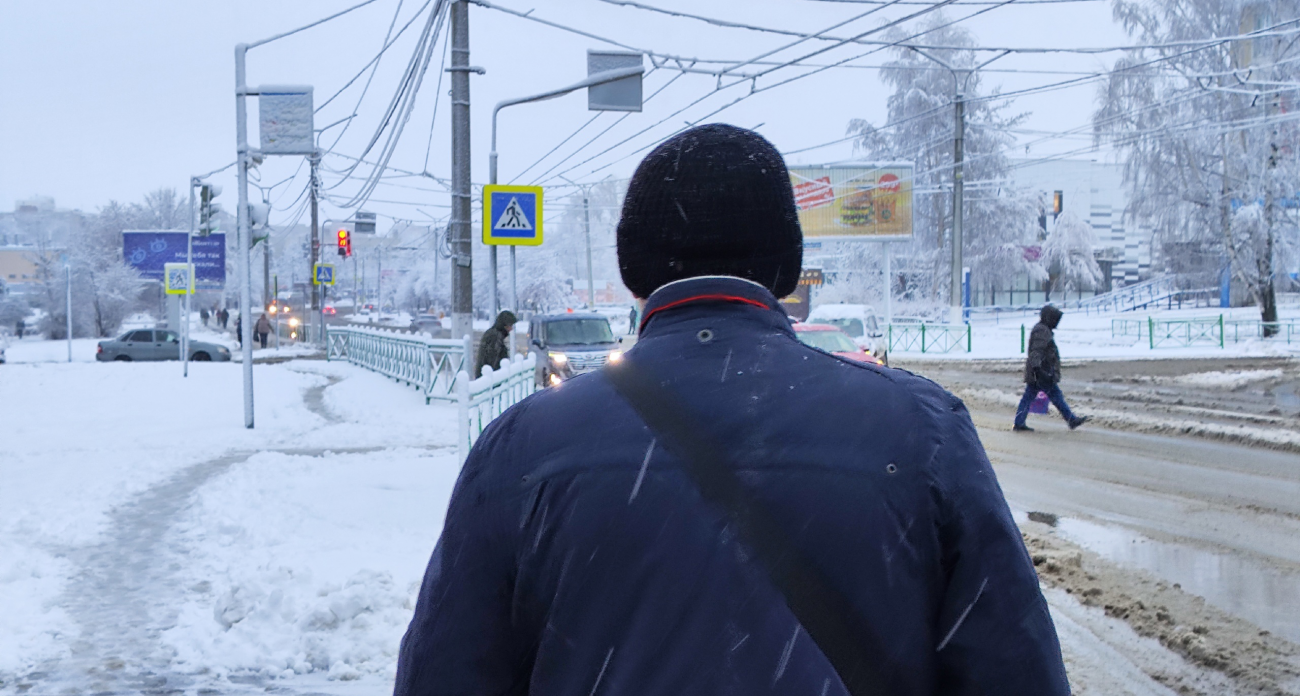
{"x": 537, "y": 344}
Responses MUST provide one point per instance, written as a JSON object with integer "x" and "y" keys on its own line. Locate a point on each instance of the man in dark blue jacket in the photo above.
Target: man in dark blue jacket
{"x": 580, "y": 557}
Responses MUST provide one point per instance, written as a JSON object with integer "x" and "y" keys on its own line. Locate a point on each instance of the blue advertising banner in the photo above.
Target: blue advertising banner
{"x": 148, "y": 252}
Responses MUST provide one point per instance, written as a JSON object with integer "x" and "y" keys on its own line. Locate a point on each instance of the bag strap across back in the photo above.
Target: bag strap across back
{"x": 824, "y": 612}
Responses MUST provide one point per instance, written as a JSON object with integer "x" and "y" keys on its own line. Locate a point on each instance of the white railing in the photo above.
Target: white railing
{"x": 431, "y": 365}
{"x": 483, "y": 399}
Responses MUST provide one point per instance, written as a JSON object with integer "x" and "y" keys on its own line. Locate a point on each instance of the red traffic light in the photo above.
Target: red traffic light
{"x": 345, "y": 243}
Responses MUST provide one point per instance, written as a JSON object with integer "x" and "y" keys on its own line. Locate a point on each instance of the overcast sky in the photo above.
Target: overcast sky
{"x": 107, "y": 100}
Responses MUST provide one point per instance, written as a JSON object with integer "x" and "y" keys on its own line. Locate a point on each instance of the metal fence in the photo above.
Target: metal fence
{"x": 1236, "y": 331}
{"x": 1200, "y": 331}
{"x": 929, "y": 338}
{"x": 431, "y": 365}
{"x": 483, "y": 399}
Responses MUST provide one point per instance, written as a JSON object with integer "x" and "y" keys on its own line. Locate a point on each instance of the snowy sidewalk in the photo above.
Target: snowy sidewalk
{"x": 148, "y": 540}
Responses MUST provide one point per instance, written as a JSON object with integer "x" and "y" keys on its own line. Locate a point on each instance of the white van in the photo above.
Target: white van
{"x": 860, "y": 322}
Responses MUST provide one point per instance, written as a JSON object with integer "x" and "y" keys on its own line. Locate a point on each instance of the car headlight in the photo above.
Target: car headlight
{"x": 560, "y": 359}
{"x": 555, "y": 380}
{"x": 615, "y": 356}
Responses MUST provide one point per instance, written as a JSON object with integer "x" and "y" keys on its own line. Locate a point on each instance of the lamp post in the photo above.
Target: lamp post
{"x": 598, "y": 78}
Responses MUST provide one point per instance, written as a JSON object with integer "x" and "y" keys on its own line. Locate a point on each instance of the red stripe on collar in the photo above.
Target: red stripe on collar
{"x": 700, "y": 298}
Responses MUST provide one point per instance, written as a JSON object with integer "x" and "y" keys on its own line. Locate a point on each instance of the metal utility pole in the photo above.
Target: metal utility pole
{"x": 189, "y": 263}
{"x": 267, "y": 297}
{"x": 958, "y": 201}
{"x": 67, "y": 272}
{"x": 316, "y": 304}
{"x": 960, "y": 84}
{"x": 462, "y": 278}
{"x": 245, "y": 253}
{"x": 586, "y": 212}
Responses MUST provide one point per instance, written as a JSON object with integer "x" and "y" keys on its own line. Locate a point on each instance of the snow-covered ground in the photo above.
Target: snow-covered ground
{"x": 1083, "y": 336}
{"x": 134, "y": 500}
{"x": 146, "y": 535}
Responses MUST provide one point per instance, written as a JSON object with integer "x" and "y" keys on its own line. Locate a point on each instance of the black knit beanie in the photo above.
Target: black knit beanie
{"x": 713, "y": 200}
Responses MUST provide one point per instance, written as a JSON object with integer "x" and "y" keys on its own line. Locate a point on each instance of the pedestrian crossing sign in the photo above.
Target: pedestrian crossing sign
{"x": 512, "y": 215}
{"x": 179, "y": 278}
{"x": 324, "y": 274}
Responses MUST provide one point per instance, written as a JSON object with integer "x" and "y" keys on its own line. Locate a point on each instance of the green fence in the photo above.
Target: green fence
{"x": 1200, "y": 331}
{"x": 929, "y": 338}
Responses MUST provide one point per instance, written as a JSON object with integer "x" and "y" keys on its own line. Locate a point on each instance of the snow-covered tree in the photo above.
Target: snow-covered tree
{"x": 1067, "y": 254}
{"x": 1209, "y": 156}
{"x": 549, "y": 274}
{"x": 997, "y": 221}
{"x": 104, "y": 288}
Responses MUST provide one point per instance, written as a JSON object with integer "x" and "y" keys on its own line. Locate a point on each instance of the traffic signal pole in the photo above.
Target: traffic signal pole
{"x": 244, "y": 233}
{"x": 316, "y": 304}
{"x": 189, "y": 263}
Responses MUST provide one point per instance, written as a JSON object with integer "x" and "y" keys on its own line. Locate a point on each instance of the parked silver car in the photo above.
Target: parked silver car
{"x": 157, "y": 344}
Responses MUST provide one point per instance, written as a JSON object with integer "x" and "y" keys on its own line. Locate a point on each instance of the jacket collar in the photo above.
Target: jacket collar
{"x": 720, "y": 291}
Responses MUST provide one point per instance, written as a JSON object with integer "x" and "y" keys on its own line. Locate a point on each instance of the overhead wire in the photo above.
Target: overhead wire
{"x": 757, "y": 90}
{"x": 596, "y": 137}
{"x": 403, "y": 86}
{"x": 716, "y": 90}
{"x": 959, "y": 3}
{"x": 399, "y": 110}
{"x": 369, "y": 80}
{"x": 305, "y": 27}
{"x": 433, "y": 120}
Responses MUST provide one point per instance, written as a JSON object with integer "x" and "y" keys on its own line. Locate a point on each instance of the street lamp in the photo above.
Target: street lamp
{"x": 600, "y": 77}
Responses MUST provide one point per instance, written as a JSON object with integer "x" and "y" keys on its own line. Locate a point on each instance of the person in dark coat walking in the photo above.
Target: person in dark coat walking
{"x": 239, "y": 330}
{"x": 203, "y": 315}
{"x": 583, "y": 554}
{"x": 1043, "y": 371}
{"x": 631, "y": 322}
{"x": 20, "y": 328}
{"x": 492, "y": 348}
{"x": 224, "y": 316}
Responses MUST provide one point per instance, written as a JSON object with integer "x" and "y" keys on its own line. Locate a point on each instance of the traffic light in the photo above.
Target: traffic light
{"x": 345, "y": 243}
{"x": 207, "y": 209}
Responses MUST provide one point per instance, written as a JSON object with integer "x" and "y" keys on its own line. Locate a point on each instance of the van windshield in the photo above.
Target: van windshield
{"x": 852, "y": 327}
{"x": 580, "y": 332}
{"x": 829, "y": 341}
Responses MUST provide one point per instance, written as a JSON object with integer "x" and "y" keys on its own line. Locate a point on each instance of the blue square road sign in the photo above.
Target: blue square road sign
{"x": 324, "y": 274}
{"x": 512, "y": 215}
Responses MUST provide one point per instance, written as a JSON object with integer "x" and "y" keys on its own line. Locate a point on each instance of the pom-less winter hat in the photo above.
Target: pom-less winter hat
{"x": 713, "y": 200}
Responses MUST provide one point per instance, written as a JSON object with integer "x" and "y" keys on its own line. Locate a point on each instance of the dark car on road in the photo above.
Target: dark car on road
{"x": 157, "y": 344}
{"x": 571, "y": 344}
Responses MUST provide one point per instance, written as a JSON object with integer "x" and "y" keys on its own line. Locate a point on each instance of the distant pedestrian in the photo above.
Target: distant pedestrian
{"x": 224, "y": 316}
{"x": 203, "y": 316}
{"x": 1043, "y": 372}
{"x": 631, "y": 321}
{"x": 239, "y": 331}
{"x": 263, "y": 329}
{"x": 19, "y": 328}
{"x": 492, "y": 348}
